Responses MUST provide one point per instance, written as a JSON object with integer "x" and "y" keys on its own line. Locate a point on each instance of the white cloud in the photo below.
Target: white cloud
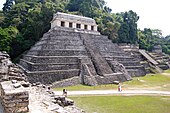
{"x": 1, "y": 3}
{"x": 153, "y": 13}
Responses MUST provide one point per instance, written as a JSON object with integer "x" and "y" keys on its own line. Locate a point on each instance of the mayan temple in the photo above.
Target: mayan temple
{"x": 75, "y": 52}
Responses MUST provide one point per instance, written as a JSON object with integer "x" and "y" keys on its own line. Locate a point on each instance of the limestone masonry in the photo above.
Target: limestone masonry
{"x": 17, "y": 95}
{"x": 155, "y": 61}
{"x": 73, "y": 50}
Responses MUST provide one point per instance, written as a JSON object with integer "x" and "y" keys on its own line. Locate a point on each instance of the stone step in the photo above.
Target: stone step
{"x": 108, "y": 79}
{"x": 137, "y": 72}
{"x": 59, "y": 52}
{"x": 33, "y": 52}
{"x": 99, "y": 38}
{"x": 52, "y": 59}
{"x": 62, "y": 38}
{"x": 113, "y": 52}
{"x": 110, "y": 47}
{"x": 63, "y": 33}
{"x": 95, "y": 36}
{"x": 101, "y": 41}
{"x": 49, "y": 77}
{"x": 47, "y": 66}
{"x": 65, "y": 42}
{"x": 161, "y": 58}
{"x": 134, "y": 67}
{"x": 163, "y": 66}
{"x": 130, "y": 63}
{"x": 40, "y": 43}
{"x": 54, "y": 46}
{"x": 60, "y": 43}
{"x": 107, "y": 54}
{"x": 121, "y": 58}
{"x": 36, "y": 47}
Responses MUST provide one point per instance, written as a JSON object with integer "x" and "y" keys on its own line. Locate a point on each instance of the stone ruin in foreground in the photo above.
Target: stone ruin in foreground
{"x": 17, "y": 95}
{"x": 74, "y": 52}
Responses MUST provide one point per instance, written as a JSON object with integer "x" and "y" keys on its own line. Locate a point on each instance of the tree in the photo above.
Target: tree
{"x": 32, "y": 19}
{"x": 7, "y": 35}
{"x": 8, "y": 5}
{"x": 128, "y": 27}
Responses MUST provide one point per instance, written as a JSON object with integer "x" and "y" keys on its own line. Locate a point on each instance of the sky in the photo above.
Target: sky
{"x": 154, "y": 14}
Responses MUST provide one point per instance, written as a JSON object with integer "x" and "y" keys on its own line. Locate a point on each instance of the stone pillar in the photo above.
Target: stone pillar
{"x": 82, "y": 26}
{"x": 66, "y": 24}
{"x": 95, "y": 28}
{"x": 74, "y": 25}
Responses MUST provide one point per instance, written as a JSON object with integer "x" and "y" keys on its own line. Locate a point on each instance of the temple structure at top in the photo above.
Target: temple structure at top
{"x": 79, "y": 23}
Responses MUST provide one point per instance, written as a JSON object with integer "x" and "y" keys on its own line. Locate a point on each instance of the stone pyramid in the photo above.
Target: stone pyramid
{"x": 69, "y": 50}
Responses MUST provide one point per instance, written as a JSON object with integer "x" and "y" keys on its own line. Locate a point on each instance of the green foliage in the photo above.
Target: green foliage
{"x": 7, "y": 35}
{"x": 148, "y": 38}
{"x": 128, "y": 29}
{"x": 8, "y": 5}
{"x": 32, "y": 19}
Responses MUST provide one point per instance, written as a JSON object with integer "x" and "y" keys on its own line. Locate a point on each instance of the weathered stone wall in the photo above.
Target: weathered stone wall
{"x": 86, "y": 76}
{"x": 14, "y": 100}
{"x": 67, "y": 82}
{"x": 157, "y": 49}
{"x": 19, "y": 96}
{"x": 8, "y": 70}
{"x": 47, "y": 77}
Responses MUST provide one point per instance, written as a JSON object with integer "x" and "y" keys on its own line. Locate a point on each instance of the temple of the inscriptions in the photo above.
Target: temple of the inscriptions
{"x": 74, "y": 52}
{"x": 73, "y": 21}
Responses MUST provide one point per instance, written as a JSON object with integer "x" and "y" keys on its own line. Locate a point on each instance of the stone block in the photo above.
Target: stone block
{"x": 14, "y": 100}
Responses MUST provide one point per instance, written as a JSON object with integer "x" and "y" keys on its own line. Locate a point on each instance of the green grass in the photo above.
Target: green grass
{"x": 123, "y": 104}
{"x": 150, "y": 81}
{"x": 167, "y": 71}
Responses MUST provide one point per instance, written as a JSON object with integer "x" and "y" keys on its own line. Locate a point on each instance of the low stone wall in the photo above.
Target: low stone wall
{"x": 109, "y": 79}
{"x": 67, "y": 82}
{"x": 49, "y": 77}
{"x": 14, "y": 100}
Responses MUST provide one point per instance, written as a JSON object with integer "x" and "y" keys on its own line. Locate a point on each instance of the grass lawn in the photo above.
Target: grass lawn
{"x": 123, "y": 104}
{"x": 150, "y": 81}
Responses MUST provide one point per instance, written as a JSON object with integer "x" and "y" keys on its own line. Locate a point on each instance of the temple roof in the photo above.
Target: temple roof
{"x": 66, "y": 16}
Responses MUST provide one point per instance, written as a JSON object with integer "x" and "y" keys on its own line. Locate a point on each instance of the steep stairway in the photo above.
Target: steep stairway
{"x": 109, "y": 50}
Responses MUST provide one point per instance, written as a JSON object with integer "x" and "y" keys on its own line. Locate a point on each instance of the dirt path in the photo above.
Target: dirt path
{"x": 115, "y": 92}
{"x": 166, "y": 74}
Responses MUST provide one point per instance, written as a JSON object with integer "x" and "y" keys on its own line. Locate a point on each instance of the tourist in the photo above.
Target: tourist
{"x": 119, "y": 87}
{"x": 65, "y": 92}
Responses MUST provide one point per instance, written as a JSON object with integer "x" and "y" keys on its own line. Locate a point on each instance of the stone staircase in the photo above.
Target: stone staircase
{"x": 157, "y": 61}
{"x": 61, "y": 52}
{"x": 162, "y": 59}
{"x": 110, "y": 50}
